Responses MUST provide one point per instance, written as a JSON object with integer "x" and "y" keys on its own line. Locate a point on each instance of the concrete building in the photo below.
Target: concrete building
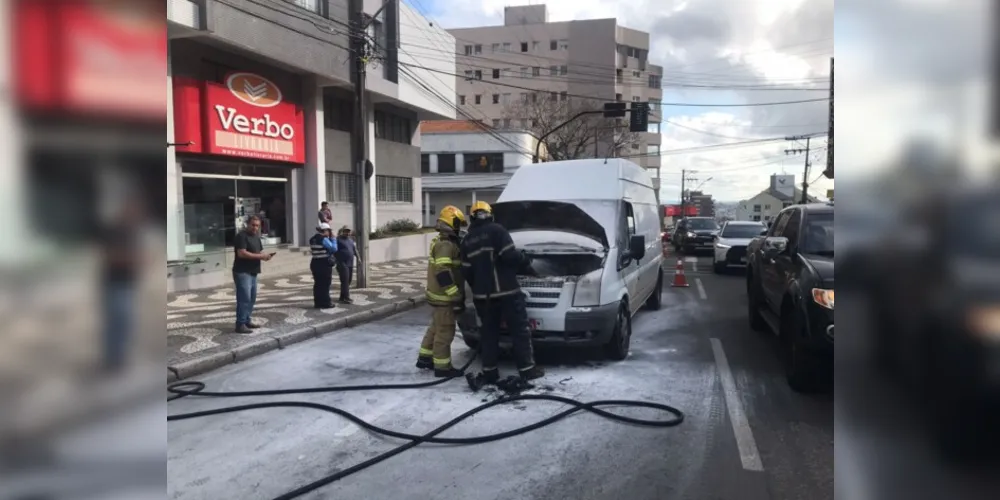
{"x": 764, "y": 207}
{"x": 594, "y": 58}
{"x": 463, "y": 162}
{"x": 260, "y": 114}
{"x": 703, "y": 202}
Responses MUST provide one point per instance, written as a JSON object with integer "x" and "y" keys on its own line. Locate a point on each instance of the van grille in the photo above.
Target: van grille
{"x": 528, "y": 282}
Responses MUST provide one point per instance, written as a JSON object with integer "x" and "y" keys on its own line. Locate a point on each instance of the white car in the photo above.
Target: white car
{"x": 730, "y": 246}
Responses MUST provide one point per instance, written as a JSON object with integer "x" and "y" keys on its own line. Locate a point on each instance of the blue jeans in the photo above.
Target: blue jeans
{"x": 118, "y": 314}
{"x": 246, "y": 296}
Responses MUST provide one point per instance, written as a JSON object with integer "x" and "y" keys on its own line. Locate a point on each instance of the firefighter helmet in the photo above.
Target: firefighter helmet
{"x": 452, "y": 217}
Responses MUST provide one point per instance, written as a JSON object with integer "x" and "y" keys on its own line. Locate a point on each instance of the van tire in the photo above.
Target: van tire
{"x": 621, "y": 337}
{"x": 655, "y": 300}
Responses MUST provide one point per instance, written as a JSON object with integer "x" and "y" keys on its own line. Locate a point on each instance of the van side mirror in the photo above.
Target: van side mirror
{"x": 637, "y": 247}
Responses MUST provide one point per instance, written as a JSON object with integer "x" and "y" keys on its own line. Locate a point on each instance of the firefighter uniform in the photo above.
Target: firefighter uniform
{"x": 321, "y": 248}
{"x": 445, "y": 294}
{"x": 490, "y": 262}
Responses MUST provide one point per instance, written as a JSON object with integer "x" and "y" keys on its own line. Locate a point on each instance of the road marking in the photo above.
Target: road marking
{"x": 741, "y": 427}
{"x": 701, "y": 289}
{"x": 691, "y": 258}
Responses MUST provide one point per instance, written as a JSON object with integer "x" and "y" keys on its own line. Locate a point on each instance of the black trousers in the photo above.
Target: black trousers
{"x": 322, "y": 273}
{"x": 511, "y": 310}
{"x": 346, "y": 273}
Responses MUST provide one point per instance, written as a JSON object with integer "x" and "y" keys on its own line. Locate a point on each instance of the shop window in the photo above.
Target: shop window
{"x": 483, "y": 163}
{"x": 390, "y": 189}
{"x": 446, "y": 164}
{"x": 340, "y": 187}
{"x": 425, "y": 164}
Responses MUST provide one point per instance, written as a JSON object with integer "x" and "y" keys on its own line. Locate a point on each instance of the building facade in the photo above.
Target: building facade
{"x": 463, "y": 162}
{"x": 764, "y": 207}
{"x": 268, "y": 130}
{"x": 703, "y": 203}
{"x": 596, "y": 58}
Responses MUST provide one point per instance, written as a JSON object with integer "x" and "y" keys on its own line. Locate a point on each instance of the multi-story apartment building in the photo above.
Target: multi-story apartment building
{"x": 703, "y": 202}
{"x": 260, "y": 119}
{"x": 594, "y": 58}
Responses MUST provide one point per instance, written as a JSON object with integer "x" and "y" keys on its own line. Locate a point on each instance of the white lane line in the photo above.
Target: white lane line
{"x": 741, "y": 427}
{"x": 694, "y": 266}
{"x": 701, "y": 289}
{"x": 691, "y": 258}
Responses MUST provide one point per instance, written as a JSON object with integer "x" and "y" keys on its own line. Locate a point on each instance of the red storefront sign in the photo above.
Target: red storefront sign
{"x": 675, "y": 210}
{"x": 247, "y": 116}
{"x": 91, "y": 56}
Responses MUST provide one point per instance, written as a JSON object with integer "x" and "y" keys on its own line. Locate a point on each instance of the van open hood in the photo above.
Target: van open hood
{"x": 549, "y": 216}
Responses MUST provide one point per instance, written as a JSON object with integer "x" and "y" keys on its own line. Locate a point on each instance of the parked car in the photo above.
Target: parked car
{"x": 731, "y": 243}
{"x": 595, "y": 248}
{"x": 790, "y": 290}
{"x": 695, "y": 233}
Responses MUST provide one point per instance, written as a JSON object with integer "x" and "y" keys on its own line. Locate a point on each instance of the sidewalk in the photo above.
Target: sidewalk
{"x": 200, "y": 323}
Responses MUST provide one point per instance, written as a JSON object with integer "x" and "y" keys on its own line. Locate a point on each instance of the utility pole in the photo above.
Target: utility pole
{"x": 805, "y": 173}
{"x": 829, "y": 142}
{"x": 683, "y": 177}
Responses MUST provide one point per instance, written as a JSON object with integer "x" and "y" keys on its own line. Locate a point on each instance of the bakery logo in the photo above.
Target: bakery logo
{"x": 254, "y": 89}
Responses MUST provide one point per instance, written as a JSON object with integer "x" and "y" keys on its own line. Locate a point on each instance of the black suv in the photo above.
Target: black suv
{"x": 790, "y": 290}
{"x": 695, "y": 233}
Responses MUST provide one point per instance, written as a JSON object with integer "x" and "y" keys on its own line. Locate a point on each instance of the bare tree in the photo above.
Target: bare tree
{"x": 588, "y": 136}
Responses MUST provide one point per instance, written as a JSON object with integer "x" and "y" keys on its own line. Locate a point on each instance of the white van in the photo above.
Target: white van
{"x": 592, "y": 228}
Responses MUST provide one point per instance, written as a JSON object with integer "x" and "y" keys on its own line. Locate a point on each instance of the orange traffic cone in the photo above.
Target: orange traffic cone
{"x": 679, "y": 278}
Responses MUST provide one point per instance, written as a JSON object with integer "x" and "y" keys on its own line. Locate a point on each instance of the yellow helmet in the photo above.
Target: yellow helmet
{"x": 481, "y": 206}
{"x": 452, "y": 217}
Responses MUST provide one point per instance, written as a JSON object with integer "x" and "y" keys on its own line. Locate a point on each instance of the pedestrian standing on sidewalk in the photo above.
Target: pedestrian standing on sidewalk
{"x": 121, "y": 268}
{"x": 325, "y": 214}
{"x": 246, "y": 266}
{"x": 347, "y": 253}
{"x": 323, "y": 248}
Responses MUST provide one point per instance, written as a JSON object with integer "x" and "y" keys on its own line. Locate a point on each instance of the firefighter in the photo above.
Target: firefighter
{"x": 322, "y": 246}
{"x": 490, "y": 262}
{"x": 445, "y": 294}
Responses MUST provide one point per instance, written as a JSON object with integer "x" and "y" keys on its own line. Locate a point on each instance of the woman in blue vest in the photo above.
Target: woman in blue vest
{"x": 322, "y": 247}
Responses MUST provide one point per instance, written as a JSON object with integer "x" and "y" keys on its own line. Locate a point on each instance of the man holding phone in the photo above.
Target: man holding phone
{"x": 246, "y": 266}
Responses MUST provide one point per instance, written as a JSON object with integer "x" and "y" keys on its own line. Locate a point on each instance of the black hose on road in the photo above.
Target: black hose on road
{"x": 195, "y": 388}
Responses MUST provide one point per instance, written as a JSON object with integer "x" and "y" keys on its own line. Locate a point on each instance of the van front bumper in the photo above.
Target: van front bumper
{"x": 583, "y": 327}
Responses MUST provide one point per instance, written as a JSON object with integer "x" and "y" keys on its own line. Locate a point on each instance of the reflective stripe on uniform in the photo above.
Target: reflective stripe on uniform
{"x": 442, "y": 361}
{"x": 443, "y": 261}
{"x": 451, "y": 290}
{"x": 426, "y": 352}
{"x": 504, "y": 249}
{"x": 479, "y": 251}
{"x": 440, "y": 298}
{"x": 495, "y": 294}
{"x": 317, "y": 251}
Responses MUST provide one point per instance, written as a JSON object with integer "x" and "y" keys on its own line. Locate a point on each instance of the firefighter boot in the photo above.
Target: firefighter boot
{"x": 531, "y": 373}
{"x": 491, "y": 376}
{"x": 425, "y": 363}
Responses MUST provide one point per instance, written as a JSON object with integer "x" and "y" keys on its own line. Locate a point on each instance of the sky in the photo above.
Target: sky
{"x": 777, "y": 47}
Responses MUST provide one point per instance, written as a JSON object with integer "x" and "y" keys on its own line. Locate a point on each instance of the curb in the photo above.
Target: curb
{"x": 198, "y": 366}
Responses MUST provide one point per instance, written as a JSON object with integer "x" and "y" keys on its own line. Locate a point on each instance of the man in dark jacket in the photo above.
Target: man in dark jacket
{"x": 322, "y": 247}
{"x": 346, "y": 254}
{"x": 490, "y": 262}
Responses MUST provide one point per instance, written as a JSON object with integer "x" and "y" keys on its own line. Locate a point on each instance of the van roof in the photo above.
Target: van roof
{"x": 587, "y": 179}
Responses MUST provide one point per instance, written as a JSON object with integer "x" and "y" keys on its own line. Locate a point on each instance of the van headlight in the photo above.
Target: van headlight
{"x": 588, "y": 290}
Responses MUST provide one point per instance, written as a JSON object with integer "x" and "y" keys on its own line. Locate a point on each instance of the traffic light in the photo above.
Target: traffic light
{"x": 639, "y": 117}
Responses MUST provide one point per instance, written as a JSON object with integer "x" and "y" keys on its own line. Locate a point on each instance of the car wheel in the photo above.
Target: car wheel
{"x": 655, "y": 300}
{"x": 801, "y": 370}
{"x": 621, "y": 338}
{"x": 757, "y": 322}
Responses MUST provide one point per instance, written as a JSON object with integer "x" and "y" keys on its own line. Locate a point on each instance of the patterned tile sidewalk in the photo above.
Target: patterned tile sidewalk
{"x": 200, "y": 322}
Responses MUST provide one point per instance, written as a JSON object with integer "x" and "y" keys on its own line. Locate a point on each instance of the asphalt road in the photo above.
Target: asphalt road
{"x": 759, "y": 441}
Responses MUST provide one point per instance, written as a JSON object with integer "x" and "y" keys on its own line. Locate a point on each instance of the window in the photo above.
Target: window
{"x": 553, "y": 44}
{"x": 534, "y": 98}
{"x": 786, "y": 204}
{"x": 563, "y": 95}
{"x": 479, "y": 99}
{"x": 524, "y": 97}
{"x": 779, "y": 224}
{"x": 755, "y": 218}
{"x": 767, "y": 218}
{"x": 496, "y": 123}
{"x": 618, "y": 76}
{"x": 628, "y": 226}
{"x": 393, "y": 189}
{"x": 553, "y": 96}
{"x": 496, "y": 74}
{"x": 461, "y": 100}
{"x": 534, "y": 46}
{"x": 506, "y": 47}
{"x": 563, "y": 70}
{"x": 553, "y": 70}
{"x": 563, "y": 44}
{"x": 767, "y": 207}
{"x": 479, "y": 74}
{"x": 496, "y": 98}
{"x": 791, "y": 229}
{"x": 532, "y": 123}
{"x": 393, "y": 127}
{"x": 314, "y": 6}
{"x": 425, "y": 164}
{"x": 468, "y": 50}
{"x": 637, "y": 74}
{"x": 756, "y": 208}
{"x": 654, "y": 105}
{"x": 653, "y": 128}
{"x": 338, "y": 113}
{"x": 635, "y": 146}
{"x": 618, "y": 97}
{"x": 524, "y": 46}
{"x": 505, "y": 99}
{"x": 524, "y": 72}
{"x": 635, "y": 98}
{"x": 340, "y": 187}
{"x": 479, "y": 49}
{"x": 653, "y": 149}
{"x": 468, "y": 74}
{"x": 536, "y": 71}
{"x": 483, "y": 163}
{"x": 496, "y": 47}
{"x": 506, "y": 72}
{"x": 654, "y": 81}
{"x": 506, "y": 123}
{"x": 446, "y": 163}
